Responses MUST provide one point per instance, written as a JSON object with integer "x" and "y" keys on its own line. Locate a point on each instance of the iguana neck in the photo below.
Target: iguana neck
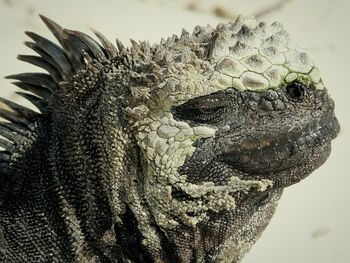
{"x": 90, "y": 156}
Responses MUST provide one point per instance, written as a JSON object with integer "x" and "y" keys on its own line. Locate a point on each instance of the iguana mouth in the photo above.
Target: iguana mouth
{"x": 274, "y": 153}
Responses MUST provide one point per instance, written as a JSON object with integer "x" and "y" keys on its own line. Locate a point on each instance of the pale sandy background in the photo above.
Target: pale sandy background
{"x": 312, "y": 221}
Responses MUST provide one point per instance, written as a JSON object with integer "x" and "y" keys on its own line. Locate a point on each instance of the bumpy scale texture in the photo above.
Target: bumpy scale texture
{"x": 172, "y": 152}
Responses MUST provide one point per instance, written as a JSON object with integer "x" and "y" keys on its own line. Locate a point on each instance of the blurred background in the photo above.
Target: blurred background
{"x": 312, "y": 222}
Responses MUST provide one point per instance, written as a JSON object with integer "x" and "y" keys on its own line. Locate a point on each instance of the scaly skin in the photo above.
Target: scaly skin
{"x": 176, "y": 152}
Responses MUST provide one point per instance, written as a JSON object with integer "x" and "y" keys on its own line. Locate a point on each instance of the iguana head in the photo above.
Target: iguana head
{"x": 225, "y": 118}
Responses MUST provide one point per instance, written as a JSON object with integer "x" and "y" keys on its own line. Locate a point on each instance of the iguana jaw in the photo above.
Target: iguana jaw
{"x": 276, "y": 157}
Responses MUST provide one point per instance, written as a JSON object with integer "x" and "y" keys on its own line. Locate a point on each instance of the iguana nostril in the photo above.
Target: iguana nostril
{"x": 296, "y": 91}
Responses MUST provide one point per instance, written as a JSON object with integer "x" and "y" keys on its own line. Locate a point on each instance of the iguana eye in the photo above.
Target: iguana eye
{"x": 296, "y": 91}
{"x": 204, "y": 109}
{"x": 205, "y": 113}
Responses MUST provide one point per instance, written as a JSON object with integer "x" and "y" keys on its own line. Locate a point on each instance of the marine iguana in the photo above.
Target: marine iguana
{"x": 171, "y": 152}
